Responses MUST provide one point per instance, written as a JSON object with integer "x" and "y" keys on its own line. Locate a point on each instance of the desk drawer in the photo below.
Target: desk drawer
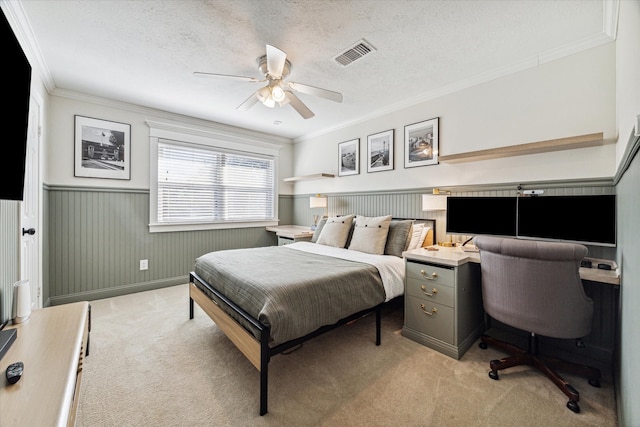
{"x": 429, "y": 318}
{"x": 430, "y": 291}
{"x": 430, "y": 273}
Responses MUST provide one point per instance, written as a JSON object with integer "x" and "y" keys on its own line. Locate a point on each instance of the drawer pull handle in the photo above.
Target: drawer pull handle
{"x": 429, "y": 294}
{"x": 428, "y": 313}
{"x": 434, "y": 275}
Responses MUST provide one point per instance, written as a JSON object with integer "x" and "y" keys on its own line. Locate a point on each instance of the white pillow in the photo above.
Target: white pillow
{"x": 415, "y": 236}
{"x": 335, "y": 231}
{"x": 370, "y": 234}
{"x": 419, "y": 234}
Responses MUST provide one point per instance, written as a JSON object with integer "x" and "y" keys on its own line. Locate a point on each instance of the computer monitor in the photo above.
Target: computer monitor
{"x": 588, "y": 219}
{"x": 481, "y": 215}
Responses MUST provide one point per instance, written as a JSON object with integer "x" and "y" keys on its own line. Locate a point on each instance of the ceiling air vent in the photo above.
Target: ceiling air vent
{"x": 355, "y": 52}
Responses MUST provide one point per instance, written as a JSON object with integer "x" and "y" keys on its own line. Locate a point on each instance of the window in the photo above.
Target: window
{"x": 201, "y": 186}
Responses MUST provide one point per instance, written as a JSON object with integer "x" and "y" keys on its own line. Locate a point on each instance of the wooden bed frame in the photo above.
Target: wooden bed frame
{"x": 252, "y": 338}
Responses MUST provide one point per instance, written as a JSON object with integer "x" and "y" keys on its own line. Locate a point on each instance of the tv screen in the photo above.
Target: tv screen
{"x": 481, "y": 215}
{"x": 16, "y": 72}
{"x": 580, "y": 219}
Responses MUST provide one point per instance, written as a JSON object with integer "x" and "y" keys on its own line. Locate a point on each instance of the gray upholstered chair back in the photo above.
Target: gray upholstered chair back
{"x": 535, "y": 286}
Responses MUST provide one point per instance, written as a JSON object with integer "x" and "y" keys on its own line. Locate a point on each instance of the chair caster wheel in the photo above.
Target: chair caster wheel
{"x": 493, "y": 375}
{"x": 483, "y": 345}
{"x": 573, "y": 406}
{"x": 594, "y": 383}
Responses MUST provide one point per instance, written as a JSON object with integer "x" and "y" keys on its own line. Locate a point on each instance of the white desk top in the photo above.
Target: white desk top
{"x": 291, "y": 231}
{"x": 457, "y": 256}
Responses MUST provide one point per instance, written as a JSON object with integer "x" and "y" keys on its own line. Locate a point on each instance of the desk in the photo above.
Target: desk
{"x": 291, "y": 233}
{"x": 602, "y": 286}
{"x": 52, "y": 344}
{"x": 458, "y": 256}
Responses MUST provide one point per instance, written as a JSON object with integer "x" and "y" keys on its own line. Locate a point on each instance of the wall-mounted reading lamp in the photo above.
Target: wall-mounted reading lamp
{"x": 316, "y": 202}
{"x": 437, "y": 202}
{"x": 432, "y": 202}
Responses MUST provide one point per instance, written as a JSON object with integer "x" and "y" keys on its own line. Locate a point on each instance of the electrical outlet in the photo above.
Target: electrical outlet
{"x": 144, "y": 264}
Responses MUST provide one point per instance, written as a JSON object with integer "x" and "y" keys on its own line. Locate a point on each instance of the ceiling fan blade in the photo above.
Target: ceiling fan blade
{"x": 298, "y": 105}
{"x": 316, "y": 91}
{"x": 275, "y": 61}
{"x": 227, "y": 76}
{"x": 248, "y": 103}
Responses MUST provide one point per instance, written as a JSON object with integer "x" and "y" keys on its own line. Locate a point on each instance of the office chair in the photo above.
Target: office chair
{"x": 536, "y": 286}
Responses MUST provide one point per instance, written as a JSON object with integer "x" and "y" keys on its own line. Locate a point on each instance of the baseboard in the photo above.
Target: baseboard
{"x": 118, "y": 290}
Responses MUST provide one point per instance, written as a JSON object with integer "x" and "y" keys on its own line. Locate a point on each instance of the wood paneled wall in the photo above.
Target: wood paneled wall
{"x": 96, "y": 239}
{"x": 9, "y": 255}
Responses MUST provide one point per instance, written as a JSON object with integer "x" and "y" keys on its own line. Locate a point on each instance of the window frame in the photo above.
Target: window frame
{"x": 227, "y": 141}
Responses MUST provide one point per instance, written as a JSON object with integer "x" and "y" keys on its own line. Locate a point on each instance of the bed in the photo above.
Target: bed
{"x": 268, "y": 300}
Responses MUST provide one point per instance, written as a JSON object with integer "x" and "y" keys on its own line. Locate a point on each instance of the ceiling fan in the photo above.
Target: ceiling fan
{"x": 276, "y": 67}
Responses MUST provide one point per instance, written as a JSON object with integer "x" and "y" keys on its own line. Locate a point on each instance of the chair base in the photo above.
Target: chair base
{"x": 547, "y": 365}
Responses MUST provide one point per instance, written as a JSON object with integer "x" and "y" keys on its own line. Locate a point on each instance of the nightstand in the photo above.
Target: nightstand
{"x": 288, "y": 234}
{"x": 443, "y": 300}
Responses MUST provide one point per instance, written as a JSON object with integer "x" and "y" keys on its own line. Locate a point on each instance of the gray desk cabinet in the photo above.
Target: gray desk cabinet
{"x": 443, "y": 305}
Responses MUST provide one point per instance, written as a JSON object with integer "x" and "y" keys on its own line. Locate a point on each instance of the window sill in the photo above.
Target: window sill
{"x": 171, "y": 228}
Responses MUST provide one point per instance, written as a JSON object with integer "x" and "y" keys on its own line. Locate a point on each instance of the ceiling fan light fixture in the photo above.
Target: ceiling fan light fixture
{"x": 269, "y": 102}
{"x": 263, "y": 94}
{"x": 277, "y": 93}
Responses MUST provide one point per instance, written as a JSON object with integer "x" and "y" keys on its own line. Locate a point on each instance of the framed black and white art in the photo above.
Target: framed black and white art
{"x": 349, "y": 157}
{"x": 102, "y": 148}
{"x": 380, "y": 151}
{"x": 421, "y": 143}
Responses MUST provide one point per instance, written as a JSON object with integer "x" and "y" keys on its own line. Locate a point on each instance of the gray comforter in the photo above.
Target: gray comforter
{"x": 293, "y": 292}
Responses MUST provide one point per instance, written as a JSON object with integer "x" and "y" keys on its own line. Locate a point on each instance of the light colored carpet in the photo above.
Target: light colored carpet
{"x": 149, "y": 365}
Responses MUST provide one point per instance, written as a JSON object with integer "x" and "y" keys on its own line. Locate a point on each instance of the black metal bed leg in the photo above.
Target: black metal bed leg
{"x": 378, "y": 326}
{"x": 190, "y": 308}
{"x": 264, "y": 369}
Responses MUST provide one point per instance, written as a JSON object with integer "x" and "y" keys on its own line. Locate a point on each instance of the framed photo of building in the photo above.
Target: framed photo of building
{"x": 380, "y": 151}
{"x": 102, "y": 149}
{"x": 421, "y": 143}
{"x": 349, "y": 157}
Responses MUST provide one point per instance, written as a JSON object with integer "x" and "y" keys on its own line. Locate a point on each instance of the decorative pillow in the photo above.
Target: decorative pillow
{"x": 423, "y": 235}
{"x": 335, "y": 231}
{"x": 399, "y": 237}
{"x": 415, "y": 241}
{"x": 318, "y": 230}
{"x": 370, "y": 234}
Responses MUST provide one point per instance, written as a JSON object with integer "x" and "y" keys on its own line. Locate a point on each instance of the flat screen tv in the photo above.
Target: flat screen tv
{"x": 588, "y": 220}
{"x": 16, "y": 72}
{"x": 481, "y": 215}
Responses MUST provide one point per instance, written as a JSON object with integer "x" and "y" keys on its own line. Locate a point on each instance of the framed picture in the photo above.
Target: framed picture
{"x": 380, "y": 151}
{"x": 349, "y": 157}
{"x": 421, "y": 143}
{"x": 102, "y": 149}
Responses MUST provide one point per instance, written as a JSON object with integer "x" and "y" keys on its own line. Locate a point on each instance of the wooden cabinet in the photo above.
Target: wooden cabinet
{"x": 443, "y": 305}
{"x": 52, "y": 344}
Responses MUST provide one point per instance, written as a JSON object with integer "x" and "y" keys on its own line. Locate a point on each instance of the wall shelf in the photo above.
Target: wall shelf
{"x": 309, "y": 177}
{"x": 581, "y": 141}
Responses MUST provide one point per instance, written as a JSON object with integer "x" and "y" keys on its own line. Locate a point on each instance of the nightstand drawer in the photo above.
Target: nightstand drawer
{"x": 435, "y": 292}
{"x": 430, "y": 274}
{"x": 429, "y": 318}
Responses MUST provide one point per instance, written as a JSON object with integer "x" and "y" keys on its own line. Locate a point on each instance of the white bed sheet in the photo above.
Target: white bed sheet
{"x": 391, "y": 267}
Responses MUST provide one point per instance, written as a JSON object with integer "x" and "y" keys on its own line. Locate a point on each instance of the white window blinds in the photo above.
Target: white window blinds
{"x": 199, "y": 184}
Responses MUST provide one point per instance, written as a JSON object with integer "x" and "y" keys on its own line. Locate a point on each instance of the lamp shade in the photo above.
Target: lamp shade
{"x": 317, "y": 201}
{"x": 432, "y": 202}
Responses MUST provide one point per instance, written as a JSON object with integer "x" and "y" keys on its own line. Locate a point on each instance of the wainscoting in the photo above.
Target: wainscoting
{"x": 9, "y": 255}
{"x": 95, "y": 238}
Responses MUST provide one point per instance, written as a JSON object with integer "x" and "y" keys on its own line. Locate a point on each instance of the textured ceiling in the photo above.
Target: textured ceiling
{"x": 144, "y": 52}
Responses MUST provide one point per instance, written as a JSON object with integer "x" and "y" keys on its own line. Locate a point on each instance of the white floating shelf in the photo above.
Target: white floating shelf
{"x": 309, "y": 177}
{"x": 582, "y": 141}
